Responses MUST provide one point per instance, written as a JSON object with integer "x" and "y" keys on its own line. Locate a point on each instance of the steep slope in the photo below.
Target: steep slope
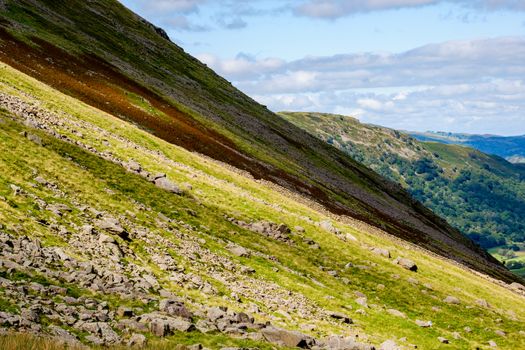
{"x": 511, "y": 148}
{"x": 481, "y": 195}
{"x": 103, "y": 54}
{"x": 95, "y": 247}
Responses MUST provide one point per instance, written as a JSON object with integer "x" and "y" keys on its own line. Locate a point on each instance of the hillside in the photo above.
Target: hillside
{"x": 481, "y": 195}
{"x": 95, "y": 247}
{"x": 512, "y": 148}
{"x": 104, "y": 55}
{"x": 144, "y": 201}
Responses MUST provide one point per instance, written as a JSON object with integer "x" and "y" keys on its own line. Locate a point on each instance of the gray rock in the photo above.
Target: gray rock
{"x": 500, "y": 333}
{"x": 389, "y": 345}
{"x": 381, "y": 251}
{"x": 284, "y": 337}
{"x": 216, "y": 313}
{"x": 167, "y": 185}
{"x": 238, "y": 250}
{"x": 137, "y": 340}
{"x": 159, "y": 328}
{"x": 123, "y": 311}
{"x": 492, "y": 344}
{"x": 174, "y": 308}
{"x": 396, "y": 313}
{"x": 443, "y": 340}
{"x": 451, "y": 300}
{"x": 341, "y": 317}
{"x": 406, "y": 263}
{"x": 110, "y": 224}
{"x": 424, "y": 324}
{"x": 34, "y": 138}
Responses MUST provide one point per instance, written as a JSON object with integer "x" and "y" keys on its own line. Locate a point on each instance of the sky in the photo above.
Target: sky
{"x": 454, "y": 65}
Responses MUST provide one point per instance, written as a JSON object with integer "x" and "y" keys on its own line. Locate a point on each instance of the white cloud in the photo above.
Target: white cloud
{"x": 477, "y": 84}
{"x": 332, "y": 9}
{"x": 179, "y": 6}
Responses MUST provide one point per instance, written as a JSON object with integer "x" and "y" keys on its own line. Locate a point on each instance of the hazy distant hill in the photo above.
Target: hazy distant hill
{"x": 511, "y": 148}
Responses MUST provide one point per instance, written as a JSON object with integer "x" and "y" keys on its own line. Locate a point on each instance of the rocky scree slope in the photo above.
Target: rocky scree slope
{"x": 103, "y": 54}
{"x": 481, "y": 195}
{"x": 110, "y": 235}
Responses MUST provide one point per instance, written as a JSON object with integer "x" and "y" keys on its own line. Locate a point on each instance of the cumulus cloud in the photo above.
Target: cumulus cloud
{"x": 332, "y": 9}
{"x": 161, "y": 6}
{"x": 459, "y": 84}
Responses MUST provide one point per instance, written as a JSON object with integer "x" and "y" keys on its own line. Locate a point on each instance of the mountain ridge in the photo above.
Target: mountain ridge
{"x": 473, "y": 190}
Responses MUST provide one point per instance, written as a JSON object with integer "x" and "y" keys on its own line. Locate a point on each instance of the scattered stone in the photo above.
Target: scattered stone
{"x": 238, "y": 250}
{"x": 500, "y": 333}
{"x": 123, "y": 311}
{"x": 167, "y": 185}
{"x": 406, "y": 263}
{"x": 396, "y": 313}
{"x": 443, "y": 340}
{"x": 381, "y": 251}
{"x": 424, "y": 324}
{"x": 451, "y": 300}
{"x": 341, "y": 317}
{"x": 284, "y": 337}
{"x": 389, "y": 345}
{"x": 137, "y": 340}
{"x": 492, "y": 344}
{"x": 482, "y": 303}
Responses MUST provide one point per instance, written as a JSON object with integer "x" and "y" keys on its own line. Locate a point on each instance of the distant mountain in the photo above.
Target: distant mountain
{"x": 482, "y": 195}
{"x": 511, "y": 148}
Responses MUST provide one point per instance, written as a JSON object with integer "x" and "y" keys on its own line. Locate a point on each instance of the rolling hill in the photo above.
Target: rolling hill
{"x": 145, "y": 201}
{"x": 481, "y": 195}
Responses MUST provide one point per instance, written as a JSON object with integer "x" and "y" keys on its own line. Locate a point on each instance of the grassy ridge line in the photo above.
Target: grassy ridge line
{"x": 480, "y": 194}
{"x": 442, "y": 275}
{"x": 265, "y": 144}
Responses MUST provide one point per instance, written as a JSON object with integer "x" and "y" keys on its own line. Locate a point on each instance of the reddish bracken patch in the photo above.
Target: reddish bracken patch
{"x": 94, "y": 81}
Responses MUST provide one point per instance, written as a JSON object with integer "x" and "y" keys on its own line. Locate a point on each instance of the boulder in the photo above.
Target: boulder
{"x": 137, "y": 340}
{"x": 396, "y": 313}
{"x": 451, "y": 300}
{"x": 424, "y": 324}
{"x": 167, "y": 185}
{"x": 287, "y": 338}
{"x": 381, "y": 251}
{"x": 110, "y": 224}
{"x": 443, "y": 340}
{"x": 174, "y": 308}
{"x": 341, "y": 317}
{"x": 389, "y": 345}
{"x": 406, "y": 263}
{"x": 238, "y": 250}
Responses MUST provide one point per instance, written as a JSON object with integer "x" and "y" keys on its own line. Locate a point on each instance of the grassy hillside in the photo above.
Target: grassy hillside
{"x": 104, "y": 55}
{"x": 511, "y": 148}
{"x": 481, "y": 195}
{"x": 90, "y": 248}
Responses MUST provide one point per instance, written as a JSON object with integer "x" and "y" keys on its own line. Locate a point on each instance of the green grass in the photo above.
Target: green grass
{"x": 218, "y": 191}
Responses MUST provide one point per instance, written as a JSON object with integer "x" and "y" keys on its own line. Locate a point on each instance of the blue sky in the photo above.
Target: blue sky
{"x": 453, "y": 65}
